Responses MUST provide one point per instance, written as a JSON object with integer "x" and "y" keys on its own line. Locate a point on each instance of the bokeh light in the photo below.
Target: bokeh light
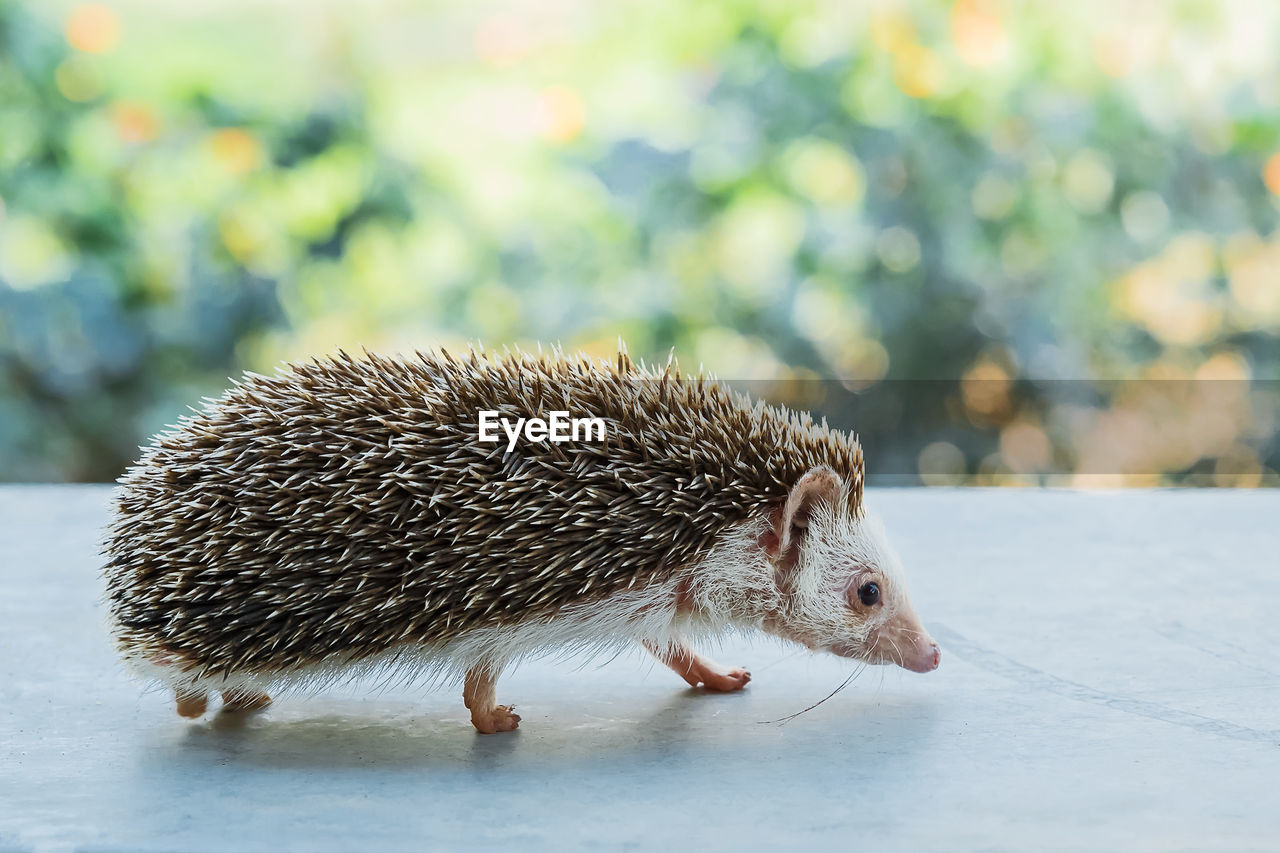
{"x": 1065, "y": 216}
{"x": 92, "y": 28}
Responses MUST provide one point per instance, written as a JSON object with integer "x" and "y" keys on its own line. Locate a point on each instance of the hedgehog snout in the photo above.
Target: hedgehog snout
{"x": 909, "y": 646}
{"x": 925, "y": 659}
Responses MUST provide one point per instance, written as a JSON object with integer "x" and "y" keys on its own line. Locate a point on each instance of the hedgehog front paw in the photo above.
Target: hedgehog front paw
{"x": 724, "y": 681}
{"x": 500, "y": 719}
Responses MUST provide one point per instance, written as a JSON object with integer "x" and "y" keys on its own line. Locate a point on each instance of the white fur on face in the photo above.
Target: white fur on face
{"x": 736, "y": 584}
{"x": 840, "y": 553}
{"x": 849, "y": 552}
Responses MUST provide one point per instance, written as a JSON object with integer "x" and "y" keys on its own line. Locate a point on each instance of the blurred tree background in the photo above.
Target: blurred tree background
{"x": 969, "y": 207}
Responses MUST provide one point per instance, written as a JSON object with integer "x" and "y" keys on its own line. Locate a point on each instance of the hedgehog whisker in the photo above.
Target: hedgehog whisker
{"x": 897, "y": 651}
{"x": 784, "y": 720}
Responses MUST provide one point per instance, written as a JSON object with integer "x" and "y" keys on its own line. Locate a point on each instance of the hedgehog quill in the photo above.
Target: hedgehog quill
{"x": 342, "y": 517}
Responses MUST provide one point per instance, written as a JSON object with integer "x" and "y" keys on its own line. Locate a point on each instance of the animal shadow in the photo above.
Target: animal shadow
{"x": 685, "y": 725}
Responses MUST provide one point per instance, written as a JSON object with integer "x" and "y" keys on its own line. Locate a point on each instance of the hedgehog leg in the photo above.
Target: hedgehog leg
{"x": 696, "y": 669}
{"x": 478, "y": 694}
{"x": 192, "y": 704}
{"x": 244, "y": 700}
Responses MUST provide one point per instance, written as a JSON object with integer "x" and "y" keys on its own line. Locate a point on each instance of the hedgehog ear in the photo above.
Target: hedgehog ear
{"x": 820, "y": 485}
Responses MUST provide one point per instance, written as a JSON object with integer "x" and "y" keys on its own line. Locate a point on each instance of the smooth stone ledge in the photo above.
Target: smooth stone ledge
{"x": 1108, "y": 680}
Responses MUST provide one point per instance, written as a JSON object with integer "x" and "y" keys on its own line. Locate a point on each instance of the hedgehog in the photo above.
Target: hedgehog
{"x": 347, "y": 516}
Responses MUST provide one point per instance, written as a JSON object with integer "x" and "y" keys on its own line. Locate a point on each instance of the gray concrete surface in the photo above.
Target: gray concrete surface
{"x": 1109, "y": 681}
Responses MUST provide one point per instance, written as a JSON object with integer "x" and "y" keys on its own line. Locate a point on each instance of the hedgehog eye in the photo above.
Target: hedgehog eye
{"x": 869, "y": 593}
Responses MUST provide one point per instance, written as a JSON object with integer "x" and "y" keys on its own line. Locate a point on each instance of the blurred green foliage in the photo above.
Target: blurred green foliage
{"x": 985, "y": 193}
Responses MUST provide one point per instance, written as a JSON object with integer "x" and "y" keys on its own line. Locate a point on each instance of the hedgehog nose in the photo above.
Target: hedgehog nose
{"x": 928, "y": 660}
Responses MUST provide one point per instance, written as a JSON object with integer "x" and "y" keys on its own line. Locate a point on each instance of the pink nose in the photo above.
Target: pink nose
{"x": 928, "y": 661}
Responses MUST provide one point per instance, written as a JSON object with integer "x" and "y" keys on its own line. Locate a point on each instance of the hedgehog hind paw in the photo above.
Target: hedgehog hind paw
{"x": 191, "y": 705}
{"x": 478, "y": 695}
{"x": 244, "y": 701}
{"x": 500, "y": 719}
